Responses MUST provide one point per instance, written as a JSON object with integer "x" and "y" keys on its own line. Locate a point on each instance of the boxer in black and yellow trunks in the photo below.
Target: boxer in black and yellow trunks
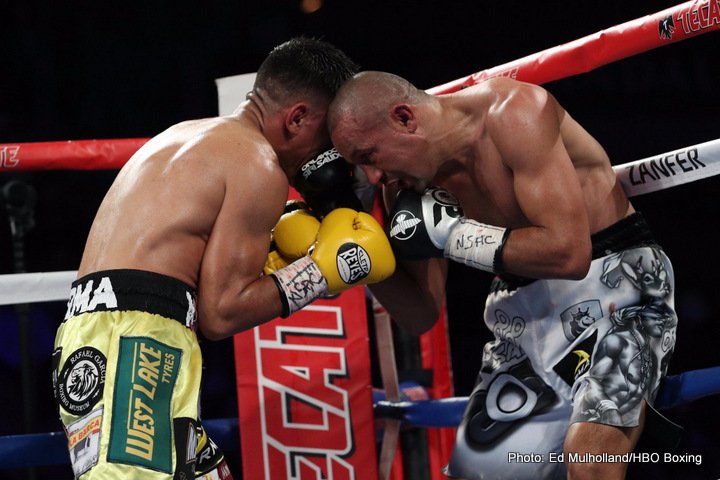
{"x": 196, "y": 205}
{"x": 127, "y": 377}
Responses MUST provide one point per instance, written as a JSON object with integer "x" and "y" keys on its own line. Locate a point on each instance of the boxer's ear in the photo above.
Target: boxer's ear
{"x": 403, "y": 116}
{"x": 295, "y": 116}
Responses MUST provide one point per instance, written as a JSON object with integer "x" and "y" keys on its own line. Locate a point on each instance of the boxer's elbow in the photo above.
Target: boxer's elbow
{"x": 418, "y": 325}
{"x": 572, "y": 260}
{"x": 414, "y": 321}
{"x": 214, "y": 328}
{"x": 222, "y": 318}
{"x": 575, "y": 271}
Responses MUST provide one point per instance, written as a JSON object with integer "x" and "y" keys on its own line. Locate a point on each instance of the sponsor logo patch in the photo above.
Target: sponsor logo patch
{"x": 186, "y": 441}
{"x": 666, "y": 27}
{"x": 353, "y": 263}
{"x": 81, "y": 381}
{"x": 403, "y": 225}
{"x": 577, "y": 318}
{"x": 326, "y": 157}
{"x": 141, "y": 431}
{"x": 84, "y": 442}
{"x": 578, "y": 361}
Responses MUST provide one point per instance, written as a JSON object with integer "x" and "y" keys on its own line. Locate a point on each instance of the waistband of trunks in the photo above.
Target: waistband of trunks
{"x": 630, "y": 232}
{"x": 137, "y": 290}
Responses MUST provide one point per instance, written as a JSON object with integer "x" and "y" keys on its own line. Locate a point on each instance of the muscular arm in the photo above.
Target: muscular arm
{"x": 526, "y": 131}
{"x": 233, "y": 296}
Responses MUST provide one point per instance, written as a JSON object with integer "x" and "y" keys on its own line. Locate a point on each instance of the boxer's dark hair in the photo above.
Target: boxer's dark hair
{"x": 304, "y": 65}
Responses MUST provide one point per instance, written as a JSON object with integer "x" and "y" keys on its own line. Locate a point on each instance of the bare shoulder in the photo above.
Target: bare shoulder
{"x": 521, "y": 112}
{"x": 228, "y": 139}
{"x": 252, "y": 172}
{"x": 222, "y": 161}
{"x": 513, "y": 98}
{"x": 229, "y": 146}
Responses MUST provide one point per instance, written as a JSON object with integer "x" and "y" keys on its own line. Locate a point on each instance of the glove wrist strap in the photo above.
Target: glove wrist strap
{"x": 299, "y": 283}
{"x": 477, "y": 245}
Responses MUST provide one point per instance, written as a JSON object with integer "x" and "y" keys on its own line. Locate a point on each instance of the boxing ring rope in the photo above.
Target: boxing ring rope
{"x": 693, "y": 18}
{"x": 69, "y": 155}
{"x": 639, "y": 177}
{"x": 585, "y": 54}
{"x": 651, "y": 174}
{"x": 445, "y": 412}
{"x": 646, "y": 175}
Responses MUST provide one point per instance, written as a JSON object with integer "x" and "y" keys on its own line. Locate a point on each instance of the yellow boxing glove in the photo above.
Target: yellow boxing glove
{"x": 352, "y": 249}
{"x": 293, "y": 236}
{"x": 295, "y": 233}
{"x": 275, "y": 262}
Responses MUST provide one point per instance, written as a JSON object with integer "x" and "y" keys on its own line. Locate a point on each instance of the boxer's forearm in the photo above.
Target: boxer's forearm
{"x": 414, "y": 296}
{"x": 536, "y": 252}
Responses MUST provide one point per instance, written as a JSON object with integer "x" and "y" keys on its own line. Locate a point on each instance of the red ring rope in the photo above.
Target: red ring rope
{"x": 689, "y": 19}
{"x": 606, "y": 46}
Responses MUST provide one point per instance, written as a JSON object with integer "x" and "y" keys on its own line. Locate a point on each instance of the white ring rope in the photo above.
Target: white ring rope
{"x": 670, "y": 169}
{"x": 35, "y": 287}
{"x": 647, "y": 175}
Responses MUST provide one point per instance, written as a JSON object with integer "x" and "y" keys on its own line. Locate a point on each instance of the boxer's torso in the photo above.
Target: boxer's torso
{"x": 159, "y": 213}
{"x": 485, "y": 187}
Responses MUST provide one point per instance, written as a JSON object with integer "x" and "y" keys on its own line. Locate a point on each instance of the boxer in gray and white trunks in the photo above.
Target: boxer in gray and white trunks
{"x": 500, "y": 177}
{"x": 588, "y": 350}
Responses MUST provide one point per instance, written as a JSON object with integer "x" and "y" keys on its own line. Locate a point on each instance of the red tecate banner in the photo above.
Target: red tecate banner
{"x": 588, "y": 53}
{"x": 304, "y": 394}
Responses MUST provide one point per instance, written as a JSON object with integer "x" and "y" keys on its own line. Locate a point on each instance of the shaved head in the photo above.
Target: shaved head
{"x": 374, "y": 122}
{"x": 367, "y": 98}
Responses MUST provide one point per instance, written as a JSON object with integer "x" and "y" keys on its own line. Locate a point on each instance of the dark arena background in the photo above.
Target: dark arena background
{"x": 106, "y": 70}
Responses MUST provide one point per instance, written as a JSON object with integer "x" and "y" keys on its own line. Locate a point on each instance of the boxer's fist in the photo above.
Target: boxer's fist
{"x": 352, "y": 249}
{"x": 433, "y": 225}
{"x": 326, "y": 183}
{"x": 292, "y": 236}
{"x": 274, "y": 262}
{"x": 294, "y": 233}
{"x": 421, "y": 224}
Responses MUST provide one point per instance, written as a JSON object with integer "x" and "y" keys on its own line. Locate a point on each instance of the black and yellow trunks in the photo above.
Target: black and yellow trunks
{"x": 127, "y": 373}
